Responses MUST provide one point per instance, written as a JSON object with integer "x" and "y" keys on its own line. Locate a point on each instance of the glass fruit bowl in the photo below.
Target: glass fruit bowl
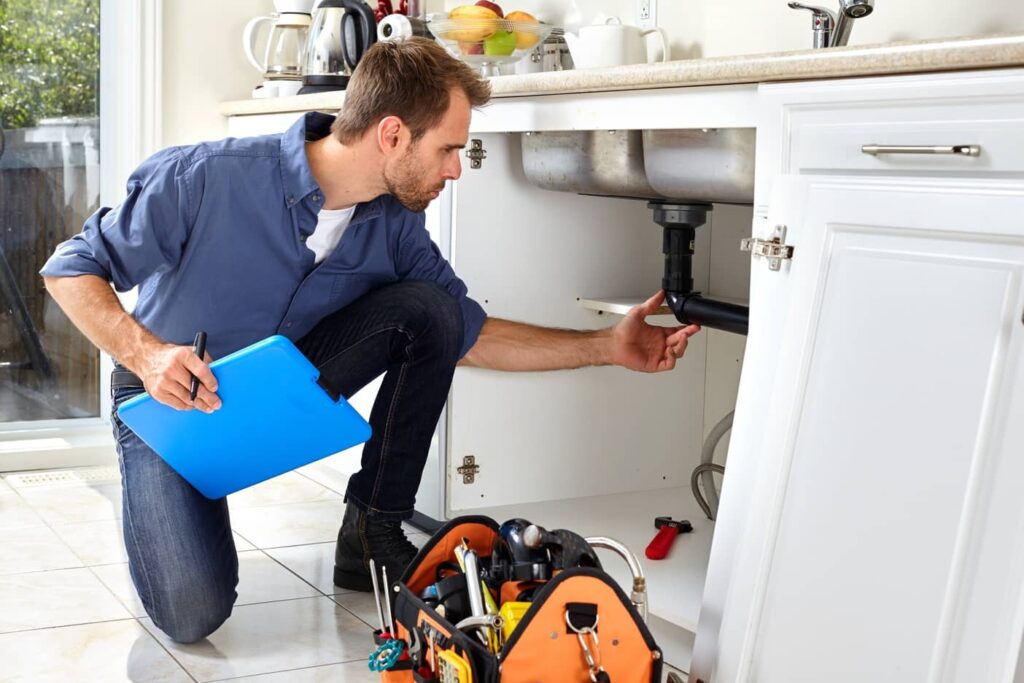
{"x": 488, "y": 43}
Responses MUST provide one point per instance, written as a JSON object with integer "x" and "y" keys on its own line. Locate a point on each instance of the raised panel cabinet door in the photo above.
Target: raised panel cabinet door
{"x": 883, "y": 534}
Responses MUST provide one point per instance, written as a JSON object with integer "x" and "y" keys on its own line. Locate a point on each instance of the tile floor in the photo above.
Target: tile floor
{"x": 69, "y": 612}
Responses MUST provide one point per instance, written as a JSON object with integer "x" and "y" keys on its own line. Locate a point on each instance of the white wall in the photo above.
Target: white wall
{"x": 717, "y": 28}
{"x": 204, "y": 64}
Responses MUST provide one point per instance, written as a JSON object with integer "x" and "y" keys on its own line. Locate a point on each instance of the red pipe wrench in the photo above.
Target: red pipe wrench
{"x": 668, "y": 529}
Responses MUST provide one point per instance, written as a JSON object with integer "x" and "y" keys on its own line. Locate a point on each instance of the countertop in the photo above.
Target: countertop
{"x": 870, "y": 60}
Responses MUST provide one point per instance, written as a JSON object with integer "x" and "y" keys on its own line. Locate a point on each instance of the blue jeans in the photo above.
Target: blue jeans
{"x": 181, "y": 554}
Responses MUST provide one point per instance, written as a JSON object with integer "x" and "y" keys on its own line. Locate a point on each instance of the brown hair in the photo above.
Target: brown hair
{"x": 410, "y": 79}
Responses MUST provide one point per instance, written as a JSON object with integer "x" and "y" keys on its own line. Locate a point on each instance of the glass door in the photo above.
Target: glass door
{"x": 49, "y": 185}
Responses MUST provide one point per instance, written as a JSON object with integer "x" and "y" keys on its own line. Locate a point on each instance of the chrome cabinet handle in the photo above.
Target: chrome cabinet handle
{"x": 962, "y": 150}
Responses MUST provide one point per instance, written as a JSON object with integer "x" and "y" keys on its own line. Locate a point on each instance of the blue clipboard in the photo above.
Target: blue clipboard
{"x": 274, "y": 417}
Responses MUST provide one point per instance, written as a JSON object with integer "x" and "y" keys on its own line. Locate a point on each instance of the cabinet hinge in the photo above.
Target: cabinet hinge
{"x": 469, "y": 469}
{"x": 775, "y": 249}
{"x": 476, "y": 153}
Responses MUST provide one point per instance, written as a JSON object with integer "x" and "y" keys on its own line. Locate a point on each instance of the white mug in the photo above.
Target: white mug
{"x": 614, "y": 44}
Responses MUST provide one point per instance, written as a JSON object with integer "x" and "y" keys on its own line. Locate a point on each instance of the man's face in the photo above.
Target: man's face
{"x": 417, "y": 175}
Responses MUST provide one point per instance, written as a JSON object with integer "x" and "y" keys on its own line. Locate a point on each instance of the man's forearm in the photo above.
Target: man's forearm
{"x": 92, "y": 306}
{"x": 507, "y": 345}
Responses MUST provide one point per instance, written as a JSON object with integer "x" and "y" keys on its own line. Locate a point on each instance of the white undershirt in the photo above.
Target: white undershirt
{"x": 330, "y": 226}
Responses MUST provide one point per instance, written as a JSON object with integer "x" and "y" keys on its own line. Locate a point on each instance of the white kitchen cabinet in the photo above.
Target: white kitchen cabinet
{"x": 871, "y": 520}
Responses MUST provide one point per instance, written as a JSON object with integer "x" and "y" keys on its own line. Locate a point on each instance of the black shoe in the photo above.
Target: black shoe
{"x": 361, "y": 539}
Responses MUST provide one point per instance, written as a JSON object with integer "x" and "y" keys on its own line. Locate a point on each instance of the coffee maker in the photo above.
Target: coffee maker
{"x": 340, "y": 33}
{"x": 284, "y": 51}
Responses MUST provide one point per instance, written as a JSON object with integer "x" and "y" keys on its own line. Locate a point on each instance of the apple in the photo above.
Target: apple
{"x": 500, "y": 44}
{"x": 471, "y": 48}
{"x": 491, "y": 6}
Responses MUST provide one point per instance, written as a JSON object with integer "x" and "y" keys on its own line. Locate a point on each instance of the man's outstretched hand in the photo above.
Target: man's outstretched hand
{"x": 647, "y": 348}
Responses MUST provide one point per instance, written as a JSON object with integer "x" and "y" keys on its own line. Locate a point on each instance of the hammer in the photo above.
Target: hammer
{"x": 668, "y": 529}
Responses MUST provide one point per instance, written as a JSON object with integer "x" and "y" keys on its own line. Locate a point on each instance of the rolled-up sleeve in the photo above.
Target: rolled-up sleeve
{"x": 146, "y": 233}
{"x": 420, "y": 259}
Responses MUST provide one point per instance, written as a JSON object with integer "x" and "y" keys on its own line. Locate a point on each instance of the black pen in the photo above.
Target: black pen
{"x": 198, "y": 348}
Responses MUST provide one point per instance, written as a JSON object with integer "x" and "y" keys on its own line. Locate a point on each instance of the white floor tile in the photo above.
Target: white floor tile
{"x": 95, "y": 542}
{"x": 314, "y": 563}
{"x": 334, "y": 471}
{"x": 108, "y": 652}
{"x": 15, "y": 513}
{"x": 360, "y": 604}
{"x": 416, "y": 538}
{"x": 55, "y": 598}
{"x": 290, "y": 487}
{"x": 350, "y": 672}
{"x": 73, "y": 503}
{"x": 260, "y": 579}
{"x": 117, "y": 578}
{"x": 240, "y": 543}
{"x": 34, "y": 549}
{"x": 273, "y": 526}
{"x": 275, "y": 636}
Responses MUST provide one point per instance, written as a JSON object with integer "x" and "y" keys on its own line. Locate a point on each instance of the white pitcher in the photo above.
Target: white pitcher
{"x": 613, "y": 43}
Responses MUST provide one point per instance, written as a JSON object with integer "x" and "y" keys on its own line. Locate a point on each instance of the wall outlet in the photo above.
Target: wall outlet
{"x": 646, "y": 13}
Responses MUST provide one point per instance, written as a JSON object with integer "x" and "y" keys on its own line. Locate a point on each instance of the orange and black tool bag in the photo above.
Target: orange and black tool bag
{"x": 579, "y": 626}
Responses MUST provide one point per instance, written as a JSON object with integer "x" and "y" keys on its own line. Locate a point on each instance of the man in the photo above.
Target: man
{"x": 316, "y": 234}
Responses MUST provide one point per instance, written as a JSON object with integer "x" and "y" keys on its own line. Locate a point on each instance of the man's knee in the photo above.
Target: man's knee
{"x": 189, "y": 616}
{"x": 435, "y": 312}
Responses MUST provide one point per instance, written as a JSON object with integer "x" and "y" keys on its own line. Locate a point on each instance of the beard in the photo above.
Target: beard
{"x": 405, "y": 183}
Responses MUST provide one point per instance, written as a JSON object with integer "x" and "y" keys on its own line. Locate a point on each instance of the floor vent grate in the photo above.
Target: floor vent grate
{"x": 86, "y": 475}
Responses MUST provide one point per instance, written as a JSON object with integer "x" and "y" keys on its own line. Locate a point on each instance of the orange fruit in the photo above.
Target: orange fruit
{"x": 524, "y": 39}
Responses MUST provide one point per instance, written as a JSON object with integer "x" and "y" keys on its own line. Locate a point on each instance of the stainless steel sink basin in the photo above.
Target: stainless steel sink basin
{"x": 704, "y": 165}
{"x": 600, "y": 162}
{"x": 709, "y": 165}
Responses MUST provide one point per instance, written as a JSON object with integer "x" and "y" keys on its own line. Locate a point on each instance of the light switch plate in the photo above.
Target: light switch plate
{"x": 646, "y": 13}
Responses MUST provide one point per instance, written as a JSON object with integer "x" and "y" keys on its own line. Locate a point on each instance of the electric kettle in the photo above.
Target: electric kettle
{"x": 341, "y": 32}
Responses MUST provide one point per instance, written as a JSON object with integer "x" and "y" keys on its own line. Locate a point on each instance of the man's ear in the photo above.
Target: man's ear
{"x": 390, "y": 131}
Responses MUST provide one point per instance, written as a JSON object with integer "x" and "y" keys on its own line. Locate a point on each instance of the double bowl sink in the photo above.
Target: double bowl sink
{"x": 698, "y": 165}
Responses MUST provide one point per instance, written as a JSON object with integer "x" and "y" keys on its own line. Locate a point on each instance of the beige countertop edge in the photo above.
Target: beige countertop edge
{"x": 876, "y": 60}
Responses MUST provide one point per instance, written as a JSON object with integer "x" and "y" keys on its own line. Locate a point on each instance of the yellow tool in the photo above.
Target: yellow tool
{"x": 451, "y": 668}
{"x": 511, "y": 614}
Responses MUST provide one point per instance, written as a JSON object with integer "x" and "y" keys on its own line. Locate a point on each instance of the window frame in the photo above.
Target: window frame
{"x": 130, "y": 126}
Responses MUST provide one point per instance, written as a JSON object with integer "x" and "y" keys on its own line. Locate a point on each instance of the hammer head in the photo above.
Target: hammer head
{"x": 681, "y": 524}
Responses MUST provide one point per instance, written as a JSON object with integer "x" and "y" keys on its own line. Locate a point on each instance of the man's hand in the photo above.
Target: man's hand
{"x": 639, "y": 346}
{"x": 167, "y": 371}
{"x": 163, "y": 368}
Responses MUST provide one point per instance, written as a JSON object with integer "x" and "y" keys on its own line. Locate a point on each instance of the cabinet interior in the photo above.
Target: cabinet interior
{"x": 602, "y": 451}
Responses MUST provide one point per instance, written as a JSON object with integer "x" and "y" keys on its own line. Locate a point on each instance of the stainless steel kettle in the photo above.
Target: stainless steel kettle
{"x": 340, "y": 33}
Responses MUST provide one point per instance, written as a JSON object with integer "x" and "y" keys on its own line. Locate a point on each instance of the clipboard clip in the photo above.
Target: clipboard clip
{"x": 329, "y": 388}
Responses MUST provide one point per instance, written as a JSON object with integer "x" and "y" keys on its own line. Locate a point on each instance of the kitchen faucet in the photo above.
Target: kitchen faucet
{"x": 833, "y": 29}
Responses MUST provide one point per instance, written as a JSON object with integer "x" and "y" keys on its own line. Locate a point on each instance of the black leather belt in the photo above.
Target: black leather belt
{"x": 123, "y": 377}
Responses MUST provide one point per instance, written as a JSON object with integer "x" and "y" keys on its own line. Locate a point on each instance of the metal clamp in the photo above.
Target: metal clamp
{"x": 594, "y": 666}
{"x": 775, "y": 249}
{"x": 960, "y": 150}
{"x": 469, "y": 469}
{"x": 476, "y": 153}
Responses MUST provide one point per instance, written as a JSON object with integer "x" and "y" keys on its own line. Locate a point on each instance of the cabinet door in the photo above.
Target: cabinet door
{"x": 881, "y": 534}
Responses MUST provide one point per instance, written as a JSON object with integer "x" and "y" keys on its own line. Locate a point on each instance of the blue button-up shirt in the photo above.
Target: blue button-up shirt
{"x": 214, "y": 236}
